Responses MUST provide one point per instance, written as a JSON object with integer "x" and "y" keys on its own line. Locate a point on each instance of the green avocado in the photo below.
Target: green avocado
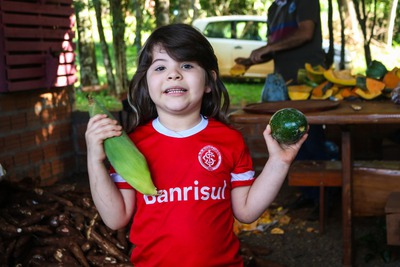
{"x": 288, "y": 125}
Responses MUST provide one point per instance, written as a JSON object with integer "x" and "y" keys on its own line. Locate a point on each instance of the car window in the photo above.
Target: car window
{"x": 251, "y": 30}
{"x": 218, "y": 29}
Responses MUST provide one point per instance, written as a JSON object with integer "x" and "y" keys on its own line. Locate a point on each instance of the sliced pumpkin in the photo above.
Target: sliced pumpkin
{"x": 327, "y": 95}
{"x": 302, "y": 78}
{"x": 341, "y": 77}
{"x": 315, "y": 73}
{"x": 398, "y": 72}
{"x": 336, "y": 92}
{"x": 347, "y": 92}
{"x": 322, "y": 91}
{"x": 299, "y": 92}
{"x": 338, "y": 96}
{"x": 370, "y": 84}
{"x": 237, "y": 70}
{"x": 367, "y": 94}
{"x": 335, "y": 89}
{"x": 391, "y": 80}
{"x": 319, "y": 70}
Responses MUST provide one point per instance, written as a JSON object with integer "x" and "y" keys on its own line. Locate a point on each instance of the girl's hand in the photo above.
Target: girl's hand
{"x": 99, "y": 128}
{"x": 285, "y": 153}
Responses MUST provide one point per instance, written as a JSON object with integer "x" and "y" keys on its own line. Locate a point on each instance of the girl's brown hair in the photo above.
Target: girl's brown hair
{"x": 182, "y": 43}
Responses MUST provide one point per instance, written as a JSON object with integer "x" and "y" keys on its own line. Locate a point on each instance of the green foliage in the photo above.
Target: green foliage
{"x": 241, "y": 94}
{"x": 220, "y": 7}
{"x": 109, "y": 101}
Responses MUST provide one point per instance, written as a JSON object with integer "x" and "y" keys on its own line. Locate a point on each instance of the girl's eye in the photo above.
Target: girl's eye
{"x": 187, "y": 66}
{"x": 160, "y": 68}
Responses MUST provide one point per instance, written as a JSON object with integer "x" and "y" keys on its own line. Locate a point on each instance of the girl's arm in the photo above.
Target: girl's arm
{"x": 115, "y": 206}
{"x": 249, "y": 202}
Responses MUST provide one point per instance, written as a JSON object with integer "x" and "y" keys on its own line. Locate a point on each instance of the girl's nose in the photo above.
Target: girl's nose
{"x": 174, "y": 75}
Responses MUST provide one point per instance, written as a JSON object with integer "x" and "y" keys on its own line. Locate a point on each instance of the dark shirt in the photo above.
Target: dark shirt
{"x": 282, "y": 21}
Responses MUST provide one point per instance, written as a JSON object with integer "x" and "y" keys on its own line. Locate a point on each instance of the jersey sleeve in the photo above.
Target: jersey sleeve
{"x": 118, "y": 180}
{"x": 243, "y": 173}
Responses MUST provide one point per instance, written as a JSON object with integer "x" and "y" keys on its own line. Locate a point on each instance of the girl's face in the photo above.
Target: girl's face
{"x": 176, "y": 88}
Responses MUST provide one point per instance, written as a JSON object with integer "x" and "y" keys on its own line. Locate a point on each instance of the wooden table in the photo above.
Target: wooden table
{"x": 371, "y": 112}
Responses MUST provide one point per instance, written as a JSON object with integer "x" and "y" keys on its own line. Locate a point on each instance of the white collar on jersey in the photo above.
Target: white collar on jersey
{"x": 186, "y": 133}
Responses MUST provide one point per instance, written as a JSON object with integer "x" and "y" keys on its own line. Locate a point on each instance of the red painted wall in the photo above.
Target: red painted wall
{"x": 37, "y": 71}
{"x": 36, "y": 45}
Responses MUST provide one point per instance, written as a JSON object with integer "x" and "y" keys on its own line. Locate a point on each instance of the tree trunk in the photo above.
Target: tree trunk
{"x": 162, "y": 12}
{"x": 353, "y": 23}
{"x": 86, "y": 49}
{"x": 138, "y": 7}
{"x": 196, "y": 7}
{"x": 183, "y": 12}
{"x": 118, "y": 30}
{"x": 330, "y": 54}
{"x": 392, "y": 17}
{"x": 342, "y": 35}
{"x": 104, "y": 47}
{"x": 362, "y": 17}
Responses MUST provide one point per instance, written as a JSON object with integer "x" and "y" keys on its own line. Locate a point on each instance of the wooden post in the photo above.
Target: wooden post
{"x": 347, "y": 197}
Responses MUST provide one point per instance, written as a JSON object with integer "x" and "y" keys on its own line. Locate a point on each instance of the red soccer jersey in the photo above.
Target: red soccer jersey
{"x": 191, "y": 224}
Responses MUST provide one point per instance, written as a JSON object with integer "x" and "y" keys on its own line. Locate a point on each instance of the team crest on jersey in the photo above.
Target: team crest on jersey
{"x": 210, "y": 158}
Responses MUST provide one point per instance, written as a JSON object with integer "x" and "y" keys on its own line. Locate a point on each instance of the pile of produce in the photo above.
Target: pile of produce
{"x": 317, "y": 82}
{"x": 56, "y": 226}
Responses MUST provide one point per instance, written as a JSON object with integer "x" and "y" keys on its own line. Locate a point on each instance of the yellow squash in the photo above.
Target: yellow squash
{"x": 367, "y": 94}
{"x": 299, "y": 92}
{"x": 315, "y": 73}
{"x": 341, "y": 77}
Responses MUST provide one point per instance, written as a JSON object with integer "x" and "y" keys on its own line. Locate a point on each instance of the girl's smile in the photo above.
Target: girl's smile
{"x": 175, "y": 90}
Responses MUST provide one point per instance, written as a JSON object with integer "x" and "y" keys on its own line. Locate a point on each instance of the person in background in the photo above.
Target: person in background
{"x": 199, "y": 162}
{"x": 295, "y": 38}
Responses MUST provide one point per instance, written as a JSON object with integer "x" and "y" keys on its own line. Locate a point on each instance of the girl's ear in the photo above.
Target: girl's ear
{"x": 214, "y": 75}
{"x": 208, "y": 88}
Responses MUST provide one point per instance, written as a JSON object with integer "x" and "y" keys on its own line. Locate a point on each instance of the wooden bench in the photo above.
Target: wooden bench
{"x": 392, "y": 210}
{"x": 373, "y": 181}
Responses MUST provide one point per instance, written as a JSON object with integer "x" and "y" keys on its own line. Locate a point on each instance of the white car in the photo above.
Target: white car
{"x": 237, "y": 35}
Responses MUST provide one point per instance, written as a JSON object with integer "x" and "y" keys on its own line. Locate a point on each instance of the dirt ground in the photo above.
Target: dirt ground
{"x": 301, "y": 244}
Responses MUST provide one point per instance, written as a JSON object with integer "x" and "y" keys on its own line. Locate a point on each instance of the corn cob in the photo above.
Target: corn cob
{"x": 124, "y": 156}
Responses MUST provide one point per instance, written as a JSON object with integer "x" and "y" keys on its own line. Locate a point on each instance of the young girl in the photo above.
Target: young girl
{"x": 201, "y": 164}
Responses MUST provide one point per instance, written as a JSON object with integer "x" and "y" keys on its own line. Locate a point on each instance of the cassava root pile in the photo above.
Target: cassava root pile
{"x": 56, "y": 226}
